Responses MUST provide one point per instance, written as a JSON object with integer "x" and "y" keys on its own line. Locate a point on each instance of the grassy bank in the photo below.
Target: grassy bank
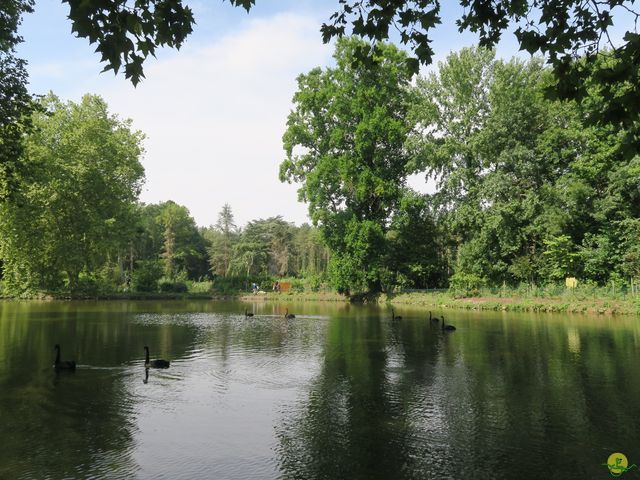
{"x": 112, "y": 296}
{"x": 566, "y": 303}
{"x": 560, "y": 301}
{"x": 324, "y": 296}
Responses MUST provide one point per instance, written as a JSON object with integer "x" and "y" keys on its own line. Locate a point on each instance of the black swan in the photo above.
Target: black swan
{"x": 289, "y": 315}
{"x": 394, "y": 316}
{"x": 247, "y": 313}
{"x": 449, "y": 328}
{"x": 63, "y": 365}
{"x": 433, "y": 319}
{"x": 159, "y": 363}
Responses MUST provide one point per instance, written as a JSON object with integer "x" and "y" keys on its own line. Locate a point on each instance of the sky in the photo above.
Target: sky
{"x": 213, "y": 112}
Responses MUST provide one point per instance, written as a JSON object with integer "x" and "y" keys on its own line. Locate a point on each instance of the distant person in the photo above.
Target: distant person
{"x": 276, "y": 287}
{"x": 254, "y": 287}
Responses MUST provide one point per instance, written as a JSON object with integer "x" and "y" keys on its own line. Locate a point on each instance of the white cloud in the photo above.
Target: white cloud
{"x": 48, "y": 70}
{"x": 214, "y": 115}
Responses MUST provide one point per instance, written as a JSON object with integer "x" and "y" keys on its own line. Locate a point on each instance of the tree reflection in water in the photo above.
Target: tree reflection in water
{"x": 504, "y": 399}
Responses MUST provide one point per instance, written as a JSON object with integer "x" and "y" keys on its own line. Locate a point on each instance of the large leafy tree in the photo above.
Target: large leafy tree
{"x": 16, "y": 105}
{"x": 483, "y": 125}
{"x": 78, "y": 206}
{"x": 344, "y": 144}
{"x": 529, "y": 190}
{"x": 415, "y": 245}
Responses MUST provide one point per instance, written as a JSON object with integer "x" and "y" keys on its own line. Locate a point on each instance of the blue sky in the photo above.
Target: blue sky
{"x": 215, "y": 111}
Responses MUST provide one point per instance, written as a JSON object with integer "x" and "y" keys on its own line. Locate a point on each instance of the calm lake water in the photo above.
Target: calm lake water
{"x": 339, "y": 392}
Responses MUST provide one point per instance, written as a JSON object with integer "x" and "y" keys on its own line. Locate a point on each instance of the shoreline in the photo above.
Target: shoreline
{"x": 591, "y": 306}
{"x": 240, "y": 296}
{"x": 296, "y": 296}
{"x": 443, "y": 300}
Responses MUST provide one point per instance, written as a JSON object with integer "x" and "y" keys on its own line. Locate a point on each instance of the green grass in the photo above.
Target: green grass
{"x": 544, "y": 301}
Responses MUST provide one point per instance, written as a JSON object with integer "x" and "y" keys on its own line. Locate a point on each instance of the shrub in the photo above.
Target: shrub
{"x": 200, "y": 287}
{"x": 173, "y": 287}
{"x": 145, "y": 278}
{"x": 87, "y": 285}
{"x": 110, "y": 278}
{"x": 467, "y": 284}
{"x": 313, "y": 282}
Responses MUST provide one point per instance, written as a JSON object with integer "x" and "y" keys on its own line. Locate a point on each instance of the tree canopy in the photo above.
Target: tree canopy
{"x": 345, "y": 145}
{"x": 563, "y": 30}
{"x": 573, "y": 35}
{"x": 16, "y": 105}
{"x": 77, "y": 207}
{"x": 528, "y": 189}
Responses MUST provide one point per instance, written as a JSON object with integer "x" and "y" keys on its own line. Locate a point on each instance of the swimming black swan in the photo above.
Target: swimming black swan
{"x": 63, "y": 365}
{"x": 159, "y": 363}
{"x": 449, "y": 328}
{"x": 289, "y": 315}
{"x": 247, "y": 314}
{"x": 394, "y": 316}
{"x": 433, "y": 319}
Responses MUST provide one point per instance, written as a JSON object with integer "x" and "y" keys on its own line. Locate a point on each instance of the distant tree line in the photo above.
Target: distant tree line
{"x": 169, "y": 251}
{"x": 76, "y": 224}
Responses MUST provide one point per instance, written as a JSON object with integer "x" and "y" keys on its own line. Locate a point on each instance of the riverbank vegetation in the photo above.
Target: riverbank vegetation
{"x": 549, "y": 299}
{"x": 75, "y": 228}
{"x": 527, "y": 190}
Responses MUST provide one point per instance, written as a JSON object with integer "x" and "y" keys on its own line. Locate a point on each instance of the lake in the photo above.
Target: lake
{"x": 339, "y": 392}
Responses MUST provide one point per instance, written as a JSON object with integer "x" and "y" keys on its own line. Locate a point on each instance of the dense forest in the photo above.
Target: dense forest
{"x": 530, "y": 189}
